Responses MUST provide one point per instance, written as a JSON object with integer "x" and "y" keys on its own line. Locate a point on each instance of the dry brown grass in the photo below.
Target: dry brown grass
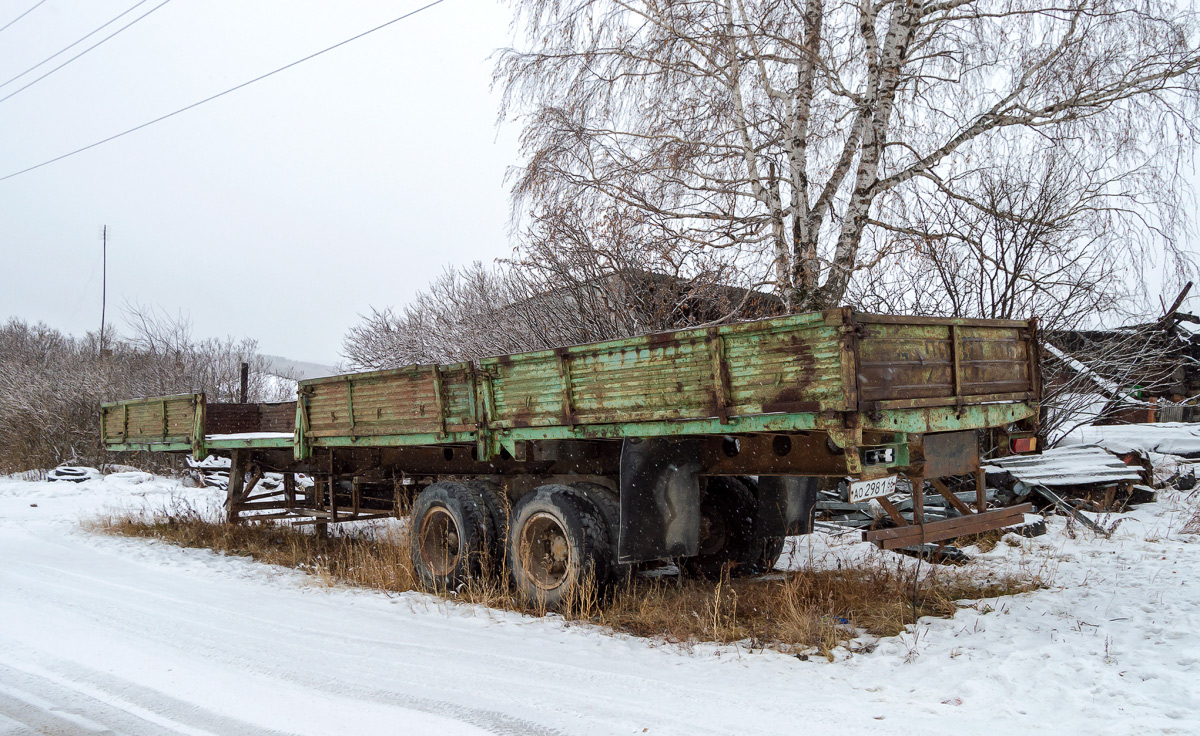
{"x": 1192, "y": 525}
{"x": 806, "y": 611}
{"x": 985, "y": 541}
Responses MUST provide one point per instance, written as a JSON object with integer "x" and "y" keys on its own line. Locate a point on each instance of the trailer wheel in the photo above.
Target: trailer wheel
{"x": 557, "y": 543}
{"x": 450, "y": 535}
{"x": 770, "y": 550}
{"x": 609, "y": 505}
{"x": 727, "y": 534}
{"x": 496, "y": 503}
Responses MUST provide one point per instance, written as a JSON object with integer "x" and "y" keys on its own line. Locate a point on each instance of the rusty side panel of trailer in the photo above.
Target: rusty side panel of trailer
{"x": 835, "y": 371}
{"x": 912, "y": 362}
{"x": 417, "y": 400}
{"x": 222, "y": 418}
{"x": 228, "y": 418}
{"x": 788, "y": 365}
{"x": 277, "y": 417}
{"x": 167, "y": 423}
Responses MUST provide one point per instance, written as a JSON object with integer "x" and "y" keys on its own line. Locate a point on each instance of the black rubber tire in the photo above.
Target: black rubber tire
{"x": 496, "y": 503}
{"x": 579, "y": 526}
{"x": 472, "y": 539}
{"x": 730, "y": 509}
{"x": 770, "y": 549}
{"x": 609, "y": 505}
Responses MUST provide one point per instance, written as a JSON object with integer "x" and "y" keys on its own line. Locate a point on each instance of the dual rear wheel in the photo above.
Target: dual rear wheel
{"x": 560, "y": 540}
{"x": 453, "y": 536}
{"x": 559, "y": 543}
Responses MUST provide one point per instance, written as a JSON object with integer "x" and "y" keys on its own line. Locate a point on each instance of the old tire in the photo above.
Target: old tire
{"x": 557, "y": 545}
{"x": 496, "y": 503}
{"x": 770, "y": 549}
{"x": 450, "y": 535}
{"x": 727, "y": 533}
{"x": 609, "y": 505}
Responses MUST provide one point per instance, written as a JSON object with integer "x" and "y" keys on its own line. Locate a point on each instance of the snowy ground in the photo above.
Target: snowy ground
{"x": 119, "y": 635}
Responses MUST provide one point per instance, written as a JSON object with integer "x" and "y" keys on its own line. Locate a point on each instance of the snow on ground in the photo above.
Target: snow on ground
{"x": 101, "y": 634}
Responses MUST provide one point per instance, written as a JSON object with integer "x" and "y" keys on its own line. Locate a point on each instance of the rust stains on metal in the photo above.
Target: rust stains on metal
{"x": 662, "y": 339}
{"x": 837, "y": 370}
{"x": 951, "y": 453}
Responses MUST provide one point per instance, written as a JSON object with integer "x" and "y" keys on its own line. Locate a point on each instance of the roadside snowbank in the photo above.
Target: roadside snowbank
{"x": 141, "y": 637}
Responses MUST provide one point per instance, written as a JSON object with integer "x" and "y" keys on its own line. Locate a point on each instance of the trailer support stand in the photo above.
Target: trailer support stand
{"x": 917, "y": 482}
{"x": 237, "y": 477}
{"x": 289, "y": 490}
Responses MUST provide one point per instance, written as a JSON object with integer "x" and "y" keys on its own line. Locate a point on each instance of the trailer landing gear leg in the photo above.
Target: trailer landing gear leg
{"x": 237, "y": 477}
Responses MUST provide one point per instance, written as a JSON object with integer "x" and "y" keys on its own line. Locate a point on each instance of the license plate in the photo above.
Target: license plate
{"x": 861, "y": 490}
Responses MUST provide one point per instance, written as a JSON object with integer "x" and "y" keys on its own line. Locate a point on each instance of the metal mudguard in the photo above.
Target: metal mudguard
{"x": 786, "y": 504}
{"x": 660, "y": 499}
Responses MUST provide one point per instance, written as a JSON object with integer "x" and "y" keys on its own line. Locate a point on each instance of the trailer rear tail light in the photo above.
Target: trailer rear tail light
{"x": 1024, "y": 444}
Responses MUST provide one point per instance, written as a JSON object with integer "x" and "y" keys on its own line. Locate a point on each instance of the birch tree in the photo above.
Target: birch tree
{"x": 794, "y": 136}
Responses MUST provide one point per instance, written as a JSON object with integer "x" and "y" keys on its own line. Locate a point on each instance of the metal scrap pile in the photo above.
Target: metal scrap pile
{"x": 833, "y": 507}
{"x": 1071, "y": 479}
{"x": 1095, "y": 477}
{"x": 835, "y": 513}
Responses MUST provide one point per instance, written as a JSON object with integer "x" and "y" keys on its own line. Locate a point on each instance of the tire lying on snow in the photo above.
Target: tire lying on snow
{"x": 72, "y": 474}
{"x": 558, "y": 543}
{"x": 451, "y": 535}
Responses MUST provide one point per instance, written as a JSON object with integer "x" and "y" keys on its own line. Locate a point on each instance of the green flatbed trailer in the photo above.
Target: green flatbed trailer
{"x": 667, "y": 428}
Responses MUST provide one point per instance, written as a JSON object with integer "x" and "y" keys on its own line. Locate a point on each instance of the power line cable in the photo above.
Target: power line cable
{"x": 222, "y": 94}
{"x": 22, "y": 15}
{"x": 73, "y": 45}
{"x": 81, "y": 53}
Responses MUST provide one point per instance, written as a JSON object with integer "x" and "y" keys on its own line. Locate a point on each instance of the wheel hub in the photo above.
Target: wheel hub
{"x": 713, "y": 533}
{"x": 545, "y": 551}
{"x": 440, "y": 541}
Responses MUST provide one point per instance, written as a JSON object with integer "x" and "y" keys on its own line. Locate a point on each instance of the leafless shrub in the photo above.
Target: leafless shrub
{"x": 460, "y": 316}
{"x": 1023, "y": 237}
{"x": 1192, "y": 525}
{"x": 181, "y": 363}
{"x": 1094, "y": 380}
{"x": 558, "y": 289}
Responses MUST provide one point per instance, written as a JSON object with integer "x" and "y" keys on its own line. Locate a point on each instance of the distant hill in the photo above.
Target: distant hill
{"x": 299, "y": 369}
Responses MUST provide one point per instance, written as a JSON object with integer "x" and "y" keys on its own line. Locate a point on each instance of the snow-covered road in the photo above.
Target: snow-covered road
{"x": 128, "y": 636}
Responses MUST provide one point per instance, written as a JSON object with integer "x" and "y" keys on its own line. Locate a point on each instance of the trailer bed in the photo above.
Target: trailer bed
{"x": 838, "y": 372}
{"x": 652, "y": 435}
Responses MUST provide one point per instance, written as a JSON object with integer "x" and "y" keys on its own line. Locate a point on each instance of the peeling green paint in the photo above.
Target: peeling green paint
{"x": 836, "y": 372}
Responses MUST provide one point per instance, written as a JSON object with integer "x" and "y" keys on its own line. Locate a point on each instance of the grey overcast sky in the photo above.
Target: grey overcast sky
{"x": 281, "y": 211}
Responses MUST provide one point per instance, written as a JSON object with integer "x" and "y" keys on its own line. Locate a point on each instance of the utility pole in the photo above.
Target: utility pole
{"x": 103, "y": 285}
